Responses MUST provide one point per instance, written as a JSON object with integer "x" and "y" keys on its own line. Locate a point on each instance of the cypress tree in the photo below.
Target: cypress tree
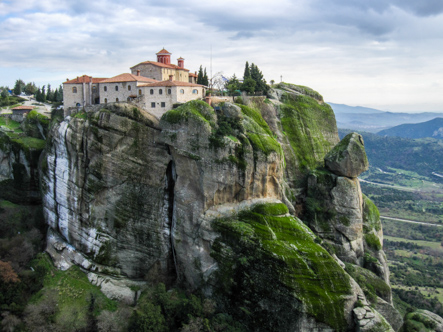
{"x": 247, "y": 73}
{"x": 200, "y": 75}
{"x": 205, "y": 79}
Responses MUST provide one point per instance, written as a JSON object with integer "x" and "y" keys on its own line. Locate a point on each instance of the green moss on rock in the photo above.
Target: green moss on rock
{"x": 371, "y": 215}
{"x": 196, "y": 109}
{"x": 263, "y": 247}
{"x": 307, "y": 124}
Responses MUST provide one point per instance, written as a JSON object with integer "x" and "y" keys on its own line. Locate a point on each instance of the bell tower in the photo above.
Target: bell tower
{"x": 164, "y": 57}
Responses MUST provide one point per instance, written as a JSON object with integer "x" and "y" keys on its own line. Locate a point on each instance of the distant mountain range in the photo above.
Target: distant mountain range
{"x": 373, "y": 120}
{"x": 432, "y": 128}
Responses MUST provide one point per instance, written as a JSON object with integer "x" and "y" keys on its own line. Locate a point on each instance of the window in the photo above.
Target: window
{"x": 139, "y": 92}
{"x": 116, "y": 88}
{"x": 152, "y": 105}
{"x": 195, "y": 91}
{"x": 129, "y": 88}
{"x": 94, "y": 88}
{"x": 105, "y": 88}
{"x": 128, "y": 99}
{"x": 106, "y": 100}
{"x": 169, "y": 91}
{"x": 74, "y": 89}
{"x": 182, "y": 91}
{"x": 160, "y": 91}
{"x": 116, "y": 100}
{"x": 163, "y": 104}
{"x": 151, "y": 91}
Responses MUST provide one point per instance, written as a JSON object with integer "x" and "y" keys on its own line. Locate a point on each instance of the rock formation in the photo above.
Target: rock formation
{"x": 211, "y": 200}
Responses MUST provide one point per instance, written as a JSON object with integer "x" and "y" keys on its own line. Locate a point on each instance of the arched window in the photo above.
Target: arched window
{"x": 105, "y": 88}
{"x": 151, "y": 91}
{"x": 195, "y": 91}
{"x": 139, "y": 92}
{"x": 116, "y": 100}
{"x": 169, "y": 91}
{"x": 129, "y": 88}
{"x": 74, "y": 89}
{"x": 182, "y": 91}
{"x": 106, "y": 100}
{"x": 128, "y": 99}
{"x": 94, "y": 88}
{"x": 160, "y": 91}
{"x": 116, "y": 88}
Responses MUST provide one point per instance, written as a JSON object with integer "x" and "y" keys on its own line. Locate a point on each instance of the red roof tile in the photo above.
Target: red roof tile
{"x": 163, "y": 51}
{"x": 159, "y": 64}
{"x": 128, "y": 78}
{"x": 84, "y": 79}
{"x": 171, "y": 83}
{"x": 193, "y": 75}
{"x": 23, "y": 107}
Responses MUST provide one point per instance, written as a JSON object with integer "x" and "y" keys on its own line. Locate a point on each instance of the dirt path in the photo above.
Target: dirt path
{"x": 389, "y": 186}
{"x": 411, "y": 221}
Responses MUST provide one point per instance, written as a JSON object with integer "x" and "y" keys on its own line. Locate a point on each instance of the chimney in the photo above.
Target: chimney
{"x": 181, "y": 62}
{"x": 138, "y": 72}
{"x": 170, "y": 77}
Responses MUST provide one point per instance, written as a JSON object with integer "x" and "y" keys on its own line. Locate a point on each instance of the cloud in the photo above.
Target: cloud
{"x": 340, "y": 47}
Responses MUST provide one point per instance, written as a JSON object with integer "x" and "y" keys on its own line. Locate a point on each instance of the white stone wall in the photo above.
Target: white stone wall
{"x": 85, "y": 95}
{"x": 123, "y": 92}
{"x": 168, "y": 99}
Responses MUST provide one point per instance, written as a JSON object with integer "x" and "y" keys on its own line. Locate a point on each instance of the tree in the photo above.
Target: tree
{"x": 59, "y": 97}
{"x": 260, "y": 82}
{"x": 200, "y": 75}
{"x": 30, "y": 89}
{"x": 247, "y": 73}
{"x": 7, "y": 273}
{"x": 49, "y": 94}
{"x": 233, "y": 85}
{"x": 38, "y": 95}
{"x": 5, "y": 93}
{"x": 18, "y": 87}
{"x": 205, "y": 78}
{"x": 248, "y": 85}
{"x": 43, "y": 95}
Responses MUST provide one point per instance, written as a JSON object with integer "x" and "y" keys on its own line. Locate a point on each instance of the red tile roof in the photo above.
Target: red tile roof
{"x": 193, "y": 75}
{"x": 23, "y": 107}
{"x": 128, "y": 78}
{"x": 159, "y": 64}
{"x": 163, "y": 51}
{"x": 171, "y": 83}
{"x": 84, "y": 79}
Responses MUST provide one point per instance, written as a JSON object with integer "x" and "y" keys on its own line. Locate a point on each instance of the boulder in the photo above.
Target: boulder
{"x": 348, "y": 158}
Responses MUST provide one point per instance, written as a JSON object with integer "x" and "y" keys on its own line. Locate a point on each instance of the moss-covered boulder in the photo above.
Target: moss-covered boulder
{"x": 348, "y": 158}
{"x": 273, "y": 275}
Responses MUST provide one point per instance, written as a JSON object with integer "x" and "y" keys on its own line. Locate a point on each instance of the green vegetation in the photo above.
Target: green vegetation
{"x": 373, "y": 241}
{"x": 173, "y": 310}
{"x": 308, "y": 125}
{"x": 301, "y": 89}
{"x": 371, "y": 284}
{"x": 371, "y": 215}
{"x": 262, "y": 247}
{"x": 196, "y": 109}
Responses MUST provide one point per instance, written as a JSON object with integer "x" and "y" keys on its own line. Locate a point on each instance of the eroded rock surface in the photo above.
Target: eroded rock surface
{"x": 348, "y": 158}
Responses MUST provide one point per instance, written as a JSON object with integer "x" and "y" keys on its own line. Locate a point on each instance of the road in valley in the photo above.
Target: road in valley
{"x": 411, "y": 221}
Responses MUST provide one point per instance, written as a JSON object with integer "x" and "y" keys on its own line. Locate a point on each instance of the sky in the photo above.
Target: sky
{"x": 382, "y": 54}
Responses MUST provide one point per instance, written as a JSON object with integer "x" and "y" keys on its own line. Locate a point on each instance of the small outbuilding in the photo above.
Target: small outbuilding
{"x": 20, "y": 110}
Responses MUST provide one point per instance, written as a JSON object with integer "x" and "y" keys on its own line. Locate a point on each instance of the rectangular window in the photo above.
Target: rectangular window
{"x": 152, "y": 105}
{"x": 163, "y": 104}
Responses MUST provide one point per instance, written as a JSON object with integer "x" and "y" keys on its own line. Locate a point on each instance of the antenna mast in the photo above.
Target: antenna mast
{"x": 211, "y": 67}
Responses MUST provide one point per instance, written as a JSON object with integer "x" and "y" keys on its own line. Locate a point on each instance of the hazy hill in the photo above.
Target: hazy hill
{"x": 432, "y": 128}
{"x": 423, "y": 155}
{"x": 372, "y": 120}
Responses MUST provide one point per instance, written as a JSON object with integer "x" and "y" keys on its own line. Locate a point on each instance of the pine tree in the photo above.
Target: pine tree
{"x": 247, "y": 73}
{"x": 30, "y": 89}
{"x": 200, "y": 75}
{"x": 18, "y": 87}
{"x": 43, "y": 95}
{"x": 205, "y": 79}
{"x": 233, "y": 85}
{"x": 49, "y": 94}
{"x": 260, "y": 82}
{"x": 38, "y": 95}
{"x": 60, "y": 94}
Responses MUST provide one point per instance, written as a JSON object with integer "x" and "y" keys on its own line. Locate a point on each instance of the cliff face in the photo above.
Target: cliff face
{"x": 197, "y": 198}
